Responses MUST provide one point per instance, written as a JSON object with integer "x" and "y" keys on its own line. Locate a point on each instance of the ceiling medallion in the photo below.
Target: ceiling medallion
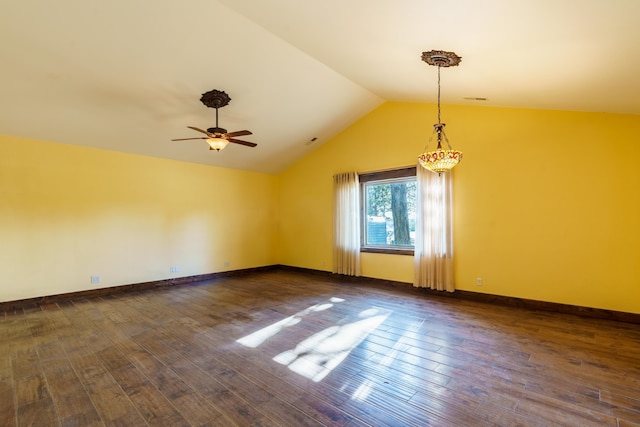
{"x": 215, "y": 99}
{"x": 441, "y": 58}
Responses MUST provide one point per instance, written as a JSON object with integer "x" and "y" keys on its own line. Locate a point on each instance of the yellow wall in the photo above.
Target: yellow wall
{"x": 547, "y": 203}
{"x": 68, "y": 213}
{"x": 559, "y": 223}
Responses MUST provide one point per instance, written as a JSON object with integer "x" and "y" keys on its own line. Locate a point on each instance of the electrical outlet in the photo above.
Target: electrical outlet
{"x": 226, "y": 264}
{"x": 479, "y": 281}
{"x": 95, "y": 279}
{"x": 174, "y": 269}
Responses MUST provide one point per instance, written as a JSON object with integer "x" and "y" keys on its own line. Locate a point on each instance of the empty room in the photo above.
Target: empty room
{"x": 288, "y": 213}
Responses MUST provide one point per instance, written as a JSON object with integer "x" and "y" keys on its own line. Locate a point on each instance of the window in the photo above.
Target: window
{"x": 388, "y": 216}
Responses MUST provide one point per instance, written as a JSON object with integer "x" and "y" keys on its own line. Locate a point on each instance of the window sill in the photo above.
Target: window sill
{"x": 390, "y": 251}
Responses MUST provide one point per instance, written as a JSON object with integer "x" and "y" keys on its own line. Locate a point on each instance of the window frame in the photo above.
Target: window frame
{"x": 364, "y": 178}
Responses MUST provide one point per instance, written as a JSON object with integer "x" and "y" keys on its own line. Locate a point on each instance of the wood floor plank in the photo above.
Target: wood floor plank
{"x": 38, "y": 413}
{"x": 109, "y": 399}
{"x": 321, "y": 410}
{"x": 8, "y": 409}
{"x": 285, "y": 414}
{"x": 66, "y": 389}
{"x": 235, "y": 410}
{"x": 31, "y": 389}
{"x": 246, "y": 351}
{"x": 152, "y": 405}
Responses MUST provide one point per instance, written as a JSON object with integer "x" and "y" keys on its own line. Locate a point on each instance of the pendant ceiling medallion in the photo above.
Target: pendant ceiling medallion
{"x": 440, "y": 58}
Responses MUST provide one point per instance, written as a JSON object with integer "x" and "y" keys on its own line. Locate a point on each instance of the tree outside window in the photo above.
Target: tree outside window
{"x": 389, "y": 211}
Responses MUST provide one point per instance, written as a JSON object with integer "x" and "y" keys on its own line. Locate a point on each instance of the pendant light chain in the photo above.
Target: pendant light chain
{"x": 439, "y": 121}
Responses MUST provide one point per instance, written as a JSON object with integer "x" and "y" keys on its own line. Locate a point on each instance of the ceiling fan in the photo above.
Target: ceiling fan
{"x": 217, "y": 137}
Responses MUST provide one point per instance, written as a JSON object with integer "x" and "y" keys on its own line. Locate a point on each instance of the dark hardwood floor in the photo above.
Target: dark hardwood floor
{"x": 295, "y": 349}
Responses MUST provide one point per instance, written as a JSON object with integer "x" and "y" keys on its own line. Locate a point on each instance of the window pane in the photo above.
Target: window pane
{"x": 390, "y": 212}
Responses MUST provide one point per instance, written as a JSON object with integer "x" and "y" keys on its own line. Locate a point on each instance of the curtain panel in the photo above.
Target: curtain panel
{"x": 346, "y": 224}
{"x": 433, "y": 259}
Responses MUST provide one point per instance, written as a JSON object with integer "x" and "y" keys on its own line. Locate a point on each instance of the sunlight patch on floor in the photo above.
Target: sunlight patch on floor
{"x": 398, "y": 347}
{"x": 363, "y": 391}
{"x": 255, "y": 339}
{"x": 319, "y": 354}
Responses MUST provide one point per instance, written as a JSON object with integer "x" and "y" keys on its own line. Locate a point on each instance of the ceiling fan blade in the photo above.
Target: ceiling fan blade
{"x": 238, "y": 141}
{"x": 187, "y": 139}
{"x": 200, "y": 130}
{"x": 239, "y": 133}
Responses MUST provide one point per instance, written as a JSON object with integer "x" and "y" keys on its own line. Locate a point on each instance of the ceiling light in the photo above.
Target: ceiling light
{"x": 217, "y": 143}
{"x": 440, "y": 160}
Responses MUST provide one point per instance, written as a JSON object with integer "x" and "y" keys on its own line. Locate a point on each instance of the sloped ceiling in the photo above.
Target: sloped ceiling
{"x": 128, "y": 75}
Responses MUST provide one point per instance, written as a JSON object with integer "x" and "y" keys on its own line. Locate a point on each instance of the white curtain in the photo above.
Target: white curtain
{"x": 434, "y": 231}
{"x": 346, "y": 224}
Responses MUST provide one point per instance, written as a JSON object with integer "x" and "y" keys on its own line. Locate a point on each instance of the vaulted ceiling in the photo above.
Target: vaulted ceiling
{"x": 128, "y": 75}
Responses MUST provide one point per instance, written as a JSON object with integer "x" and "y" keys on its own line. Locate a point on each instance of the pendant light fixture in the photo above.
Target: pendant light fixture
{"x": 440, "y": 160}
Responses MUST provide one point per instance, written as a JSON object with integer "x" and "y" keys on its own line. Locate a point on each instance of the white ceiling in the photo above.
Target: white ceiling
{"x": 127, "y": 75}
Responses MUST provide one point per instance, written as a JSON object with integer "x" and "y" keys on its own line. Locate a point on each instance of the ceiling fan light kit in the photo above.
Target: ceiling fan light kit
{"x": 218, "y": 138}
{"x": 217, "y": 143}
{"x": 440, "y": 160}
